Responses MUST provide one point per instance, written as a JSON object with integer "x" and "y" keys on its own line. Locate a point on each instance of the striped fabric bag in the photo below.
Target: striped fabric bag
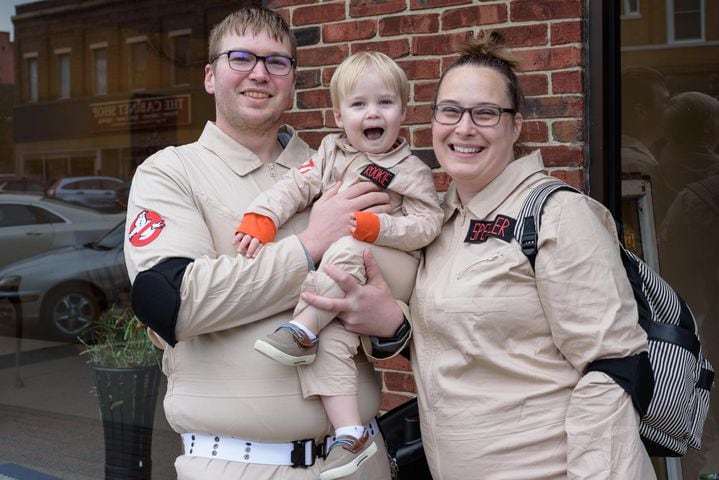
{"x": 674, "y": 411}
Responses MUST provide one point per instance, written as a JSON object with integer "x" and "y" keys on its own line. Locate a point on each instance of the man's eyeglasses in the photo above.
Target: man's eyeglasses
{"x": 242, "y": 61}
{"x": 482, "y": 116}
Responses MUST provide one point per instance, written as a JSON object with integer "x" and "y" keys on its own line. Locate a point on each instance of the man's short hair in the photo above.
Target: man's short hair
{"x": 349, "y": 71}
{"x": 254, "y": 20}
{"x": 638, "y": 86}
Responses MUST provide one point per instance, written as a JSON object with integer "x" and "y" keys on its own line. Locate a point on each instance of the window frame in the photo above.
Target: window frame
{"x": 182, "y": 70}
{"x": 63, "y": 64}
{"x": 671, "y": 31}
{"x": 99, "y": 77}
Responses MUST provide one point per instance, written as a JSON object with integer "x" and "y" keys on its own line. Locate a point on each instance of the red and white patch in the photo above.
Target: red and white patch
{"x": 306, "y": 167}
{"x": 146, "y": 227}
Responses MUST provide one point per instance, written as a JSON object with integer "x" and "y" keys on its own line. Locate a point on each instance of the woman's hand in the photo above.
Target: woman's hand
{"x": 366, "y": 309}
{"x": 331, "y": 215}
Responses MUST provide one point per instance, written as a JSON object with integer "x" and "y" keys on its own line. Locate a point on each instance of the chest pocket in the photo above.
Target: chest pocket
{"x": 478, "y": 286}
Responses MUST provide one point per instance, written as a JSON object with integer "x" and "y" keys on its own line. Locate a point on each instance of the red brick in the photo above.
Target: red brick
{"x": 566, "y": 32}
{"x": 399, "y": 382}
{"x": 422, "y": 137}
{"x": 555, "y": 107}
{"x": 327, "y": 75}
{"x": 420, "y": 69}
{"x": 445, "y": 44}
{"x": 392, "y": 48}
{"x": 308, "y": 78}
{"x": 534, "y": 132}
{"x": 327, "y": 12}
{"x": 395, "y": 363}
{"x": 311, "y": 99}
{"x": 409, "y": 24}
{"x": 349, "y": 31}
{"x": 313, "y": 138}
{"x": 304, "y": 119}
{"x": 418, "y": 114}
{"x": 562, "y": 156}
{"x": 420, "y": 4}
{"x": 534, "y": 11}
{"x": 320, "y": 56}
{"x": 475, "y": 15}
{"x": 534, "y": 84}
{"x": 533, "y": 35}
{"x": 550, "y": 58}
{"x": 448, "y": 60}
{"x": 329, "y": 117}
{"x": 391, "y": 400}
{"x": 366, "y": 8}
{"x": 424, "y": 91}
{"x": 567, "y": 82}
{"x": 441, "y": 181}
{"x": 275, "y": 4}
{"x": 568, "y": 131}
{"x": 572, "y": 177}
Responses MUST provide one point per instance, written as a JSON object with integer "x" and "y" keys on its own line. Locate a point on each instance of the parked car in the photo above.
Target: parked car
{"x": 12, "y": 184}
{"x": 96, "y": 192}
{"x": 30, "y": 225}
{"x": 64, "y": 291}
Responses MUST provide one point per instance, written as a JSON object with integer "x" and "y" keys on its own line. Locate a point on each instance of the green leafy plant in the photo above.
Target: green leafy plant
{"x": 119, "y": 340}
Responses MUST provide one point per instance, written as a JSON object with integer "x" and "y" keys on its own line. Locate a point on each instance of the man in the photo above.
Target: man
{"x": 205, "y": 304}
{"x": 644, "y": 99}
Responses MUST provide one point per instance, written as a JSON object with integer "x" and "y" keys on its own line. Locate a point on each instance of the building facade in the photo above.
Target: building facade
{"x": 102, "y": 84}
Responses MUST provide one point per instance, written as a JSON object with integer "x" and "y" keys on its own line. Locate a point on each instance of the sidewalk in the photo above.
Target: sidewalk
{"x": 52, "y": 423}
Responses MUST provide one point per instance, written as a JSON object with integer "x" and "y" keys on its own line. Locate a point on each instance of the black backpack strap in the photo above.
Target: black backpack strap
{"x": 526, "y": 231}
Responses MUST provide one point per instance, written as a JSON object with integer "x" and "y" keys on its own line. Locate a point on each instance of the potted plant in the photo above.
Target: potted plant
{"x": 127, "y": 377}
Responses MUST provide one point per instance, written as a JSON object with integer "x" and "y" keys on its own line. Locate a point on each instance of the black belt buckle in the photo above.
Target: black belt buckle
{"x": 298, "y": 455}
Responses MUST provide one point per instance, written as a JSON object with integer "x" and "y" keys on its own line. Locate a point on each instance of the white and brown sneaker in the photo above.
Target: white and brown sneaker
{"x": 346, "y": 456}
{"x": 288, "y": 345}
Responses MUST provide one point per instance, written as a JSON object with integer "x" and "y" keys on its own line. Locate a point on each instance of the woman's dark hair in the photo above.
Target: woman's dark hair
{"x": 490, "y": 52}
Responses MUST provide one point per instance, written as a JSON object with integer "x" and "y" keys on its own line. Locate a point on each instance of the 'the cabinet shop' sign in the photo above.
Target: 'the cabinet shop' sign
{"x": 145, "y": 112}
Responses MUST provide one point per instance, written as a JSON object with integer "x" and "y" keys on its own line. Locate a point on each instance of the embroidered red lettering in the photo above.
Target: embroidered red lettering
{"x": 146, "y": 227}
{"x": 502, "y": 227}
{"x": 377, "y": 175}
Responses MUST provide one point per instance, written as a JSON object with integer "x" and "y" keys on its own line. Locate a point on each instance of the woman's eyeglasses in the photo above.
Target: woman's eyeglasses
{"x": 482, "y": 116}
{"x": 243, "y": 61}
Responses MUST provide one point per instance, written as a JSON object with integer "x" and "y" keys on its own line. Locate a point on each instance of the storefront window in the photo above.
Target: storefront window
{"x": 670, "y": 144}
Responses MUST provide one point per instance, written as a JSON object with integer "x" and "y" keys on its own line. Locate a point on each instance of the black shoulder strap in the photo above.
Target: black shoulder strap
{"x": 529, "y": 219}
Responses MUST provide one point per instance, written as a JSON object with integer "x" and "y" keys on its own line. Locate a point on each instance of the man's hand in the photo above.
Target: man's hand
{"x": 366, "y": 309}
{"x": 332, "y": 213}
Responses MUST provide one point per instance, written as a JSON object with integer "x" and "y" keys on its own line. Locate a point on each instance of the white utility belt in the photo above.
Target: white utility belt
{"x": 300, "y": 453}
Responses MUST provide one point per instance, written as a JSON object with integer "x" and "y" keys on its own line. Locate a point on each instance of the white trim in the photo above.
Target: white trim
{"x": 27, "y": 55}
{"x": 668, "y": 46}
{"x": 631, "y": 14}
{"x": 137, "y": 39}
{"x": 98, "y": 45}
{"x": 62, "y": 51}
{"x": 175, "y": 33}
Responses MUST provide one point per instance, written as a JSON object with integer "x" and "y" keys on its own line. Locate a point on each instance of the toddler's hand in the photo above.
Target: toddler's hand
{"x": 247, "y": 245}
{"x": 353, "y": 223}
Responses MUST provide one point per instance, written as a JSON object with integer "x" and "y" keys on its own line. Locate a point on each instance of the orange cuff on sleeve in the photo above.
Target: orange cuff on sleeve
{"x": 367, "y": 228}
{"x": 258, "y": 226}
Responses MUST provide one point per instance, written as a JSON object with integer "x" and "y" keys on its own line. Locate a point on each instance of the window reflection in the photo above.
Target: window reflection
{"x": 670, "y": 141}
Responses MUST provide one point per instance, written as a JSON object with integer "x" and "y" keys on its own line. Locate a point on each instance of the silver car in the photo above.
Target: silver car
{"x": 59, "y": 294}
{"x": 93, "y": 192}
{"x": 30, "y": 224}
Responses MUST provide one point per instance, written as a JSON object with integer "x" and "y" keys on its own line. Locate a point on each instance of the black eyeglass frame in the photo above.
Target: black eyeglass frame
{"x": 463, "y": 110}
{"x": 257, "y": 59}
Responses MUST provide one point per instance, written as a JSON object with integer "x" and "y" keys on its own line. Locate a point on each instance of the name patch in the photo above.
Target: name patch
{"x": 378, "y": 175}
{"x": 501, "y": 227}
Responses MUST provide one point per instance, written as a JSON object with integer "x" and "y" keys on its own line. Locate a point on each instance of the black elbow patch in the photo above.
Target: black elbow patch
{"x": 634, "y": 374}
{"x": 156, "y": 296}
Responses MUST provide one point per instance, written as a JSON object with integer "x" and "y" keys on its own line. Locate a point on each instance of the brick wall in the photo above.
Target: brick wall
{"x": 421, "y": 36}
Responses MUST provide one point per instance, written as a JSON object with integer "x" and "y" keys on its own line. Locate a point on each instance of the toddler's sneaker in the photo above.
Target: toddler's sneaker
{"x": 289, "y": 345}
{"x": 346, "y": 456}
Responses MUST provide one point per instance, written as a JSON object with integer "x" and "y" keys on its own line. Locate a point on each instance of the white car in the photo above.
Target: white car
{"x": 95, "y": 192}
{"x": 30, "y": 224}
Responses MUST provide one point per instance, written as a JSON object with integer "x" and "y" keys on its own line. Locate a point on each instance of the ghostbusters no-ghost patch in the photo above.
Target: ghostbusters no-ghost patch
{"x": 501, "y": 227}
{"x": 146, "y": 227}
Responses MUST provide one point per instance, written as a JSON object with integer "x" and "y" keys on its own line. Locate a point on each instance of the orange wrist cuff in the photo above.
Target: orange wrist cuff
{"x": 258, "y": 226}
{"x": 367, "y": 228}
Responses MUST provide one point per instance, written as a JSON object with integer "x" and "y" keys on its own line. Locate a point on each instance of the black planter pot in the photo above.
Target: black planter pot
{"x": 127, "y": 403}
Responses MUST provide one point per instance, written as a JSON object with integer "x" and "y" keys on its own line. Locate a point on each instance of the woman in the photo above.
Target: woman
{"x": 498, "y": 349}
